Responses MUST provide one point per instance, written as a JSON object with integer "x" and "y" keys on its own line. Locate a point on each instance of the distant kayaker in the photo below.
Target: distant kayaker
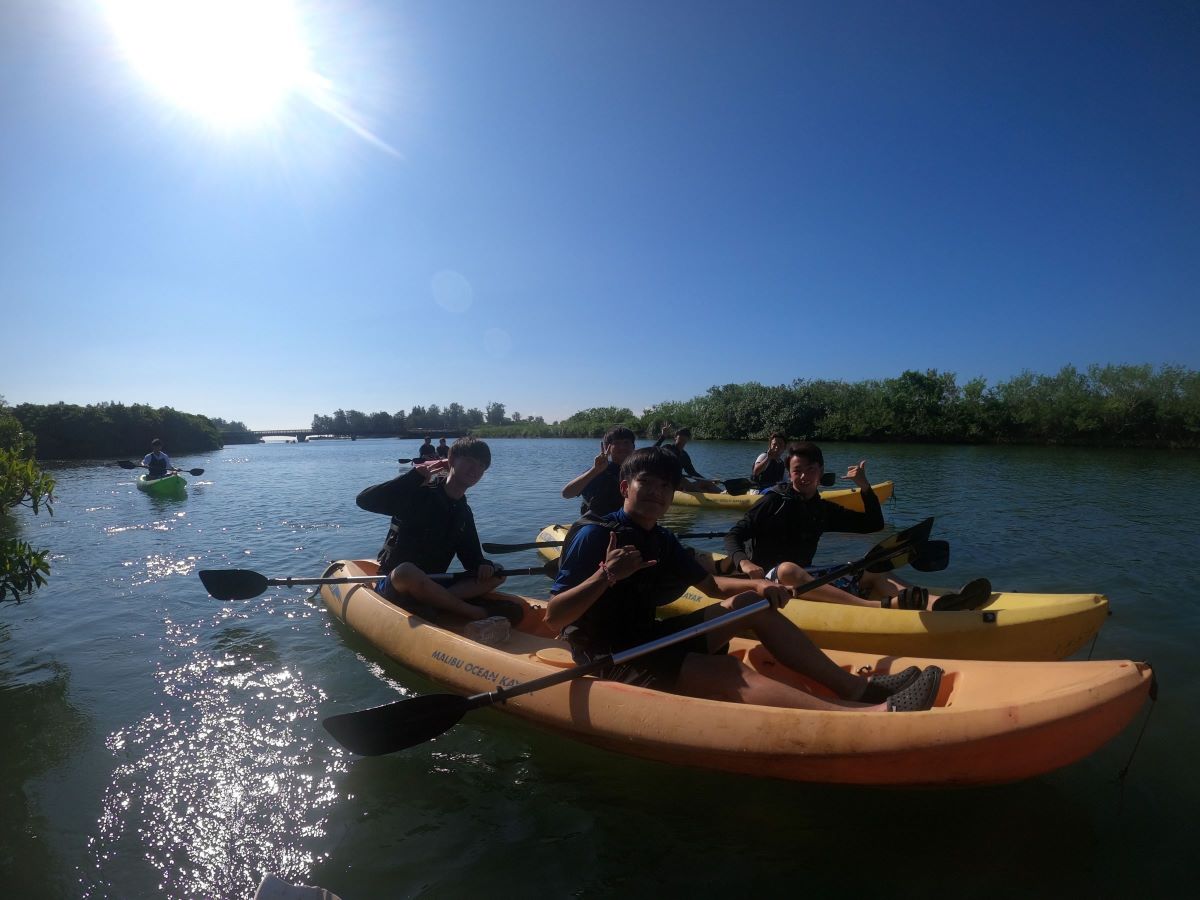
{"x": 617, "y": 569}
{"x": 431, "y": 524}
{"x": 600, "y": 486}
{"x": 427, "y": 451}
{"x": 778, "y": 537}
{"x": 769, "y": 469}
{"x": 443, "y": 451}
{"x": 682, "y": 436}
{"x": 156, "y": 461}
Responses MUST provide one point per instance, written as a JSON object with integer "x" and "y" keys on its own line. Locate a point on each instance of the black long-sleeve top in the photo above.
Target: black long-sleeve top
{"x": 428, "y": 528}
{"x": 784, "y": 527}
{"x": 684, "y": 459}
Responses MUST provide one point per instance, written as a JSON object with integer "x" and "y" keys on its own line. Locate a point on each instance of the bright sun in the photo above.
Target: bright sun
{"x": 231, "y": 62}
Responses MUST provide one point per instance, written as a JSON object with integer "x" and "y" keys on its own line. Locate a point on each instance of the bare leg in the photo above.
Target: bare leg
{"x": 726, "y": 678}
{"x": 792, "y": 575}
{"x": 408, "y": 579}
{"x": 788, "y": 644}
{"x": 877, "y": 585}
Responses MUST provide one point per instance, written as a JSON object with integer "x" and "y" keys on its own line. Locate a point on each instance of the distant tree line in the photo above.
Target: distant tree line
{"x": 419, "y": 418}
{"x": 1112, "y": 405}
{"x": 103, "y": 430}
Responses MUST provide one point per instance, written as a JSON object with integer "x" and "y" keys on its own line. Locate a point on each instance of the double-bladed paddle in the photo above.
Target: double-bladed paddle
{"x": 242, "y": 584}
{"x": 126, "y": 464}
{"x": 414, "y": 720}
{"x": 536, "y": 545}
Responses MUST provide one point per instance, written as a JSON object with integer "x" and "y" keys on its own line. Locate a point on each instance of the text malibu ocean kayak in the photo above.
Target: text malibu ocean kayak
{"x": 993, "y": 722}
{"x": 1010, "y": 626}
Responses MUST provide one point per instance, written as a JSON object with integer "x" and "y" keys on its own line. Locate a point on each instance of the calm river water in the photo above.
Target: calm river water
{"x": 160, "y": 743}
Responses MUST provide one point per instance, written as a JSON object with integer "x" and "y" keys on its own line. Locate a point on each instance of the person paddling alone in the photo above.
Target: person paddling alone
{"x": 156, "y": 461}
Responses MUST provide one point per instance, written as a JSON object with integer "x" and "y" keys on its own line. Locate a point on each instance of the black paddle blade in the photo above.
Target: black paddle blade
{"x": 737, "y": 486}
{"x": 884, "y": 556}
{"x": 195, "y": 471}
{"x": 828, "y": 479}
{"x": 933, "y": 556}
{"x": 399, "y": 725}
{"x": 126, "y": 464}
{"x": 233, "y": 584}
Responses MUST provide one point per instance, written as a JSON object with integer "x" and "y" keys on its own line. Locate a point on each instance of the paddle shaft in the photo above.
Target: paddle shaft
{"x": 535, "y": 545}
{"x": 371, "y": 579}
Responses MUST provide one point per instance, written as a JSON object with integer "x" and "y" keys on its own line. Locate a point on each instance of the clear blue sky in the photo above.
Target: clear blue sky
{"x": 558, "y": 205}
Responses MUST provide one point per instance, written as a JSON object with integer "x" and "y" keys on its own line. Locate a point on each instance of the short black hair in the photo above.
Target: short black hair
{"x": 808, "y": 450}
{"x": 619, "y": 433}
{"x": 686, "y": 432}
{"x": 156, "y": 441}
{"x": 656, "y": 461}
{"x": 472, "y": 447}
{"x": 776, "y": 434}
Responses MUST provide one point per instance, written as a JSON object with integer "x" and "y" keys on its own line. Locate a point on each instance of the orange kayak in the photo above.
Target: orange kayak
{"x": 993, "y": 722}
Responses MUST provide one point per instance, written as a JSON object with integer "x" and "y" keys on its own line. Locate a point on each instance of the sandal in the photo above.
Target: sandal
{"x": 881, "y": 687}
{"x": 920, "y": 695}
{"x": 973, "y": 595}
{"x": 912, "y": 598}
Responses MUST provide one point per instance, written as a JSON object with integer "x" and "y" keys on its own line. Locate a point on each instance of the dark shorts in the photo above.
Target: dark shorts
{"x": 851, "y": 584}
{"x": 658, "y": 670}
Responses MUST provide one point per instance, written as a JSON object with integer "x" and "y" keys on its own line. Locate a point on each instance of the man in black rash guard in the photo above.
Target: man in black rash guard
{"x": 782, "y": 531}
{"x": 617, "y": 569}
{"x": 600, "y": 486}
{"x": 682, "y": 436}
{"x": 431, "y": 524}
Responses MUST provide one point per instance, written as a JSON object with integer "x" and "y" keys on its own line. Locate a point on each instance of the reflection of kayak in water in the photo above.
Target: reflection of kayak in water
{"x": 1012, "y": 626}
{"x": 168, "y": 486}
{"x": 847, "y": 497}
{"x": 993, "y": 721}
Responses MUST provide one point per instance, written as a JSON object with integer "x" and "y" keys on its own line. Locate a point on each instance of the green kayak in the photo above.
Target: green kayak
{"x": 172, "y": 485}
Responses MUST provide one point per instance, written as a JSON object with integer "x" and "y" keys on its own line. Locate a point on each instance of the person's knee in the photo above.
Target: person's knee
{"x": 790, "y": 575}
{"x": 406, "y": 575}
{"x": 740, "y": 601}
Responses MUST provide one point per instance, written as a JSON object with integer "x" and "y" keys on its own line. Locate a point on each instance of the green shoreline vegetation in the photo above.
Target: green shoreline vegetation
{"x": 22, "y": 483}
{"x": 1102, "y": 406}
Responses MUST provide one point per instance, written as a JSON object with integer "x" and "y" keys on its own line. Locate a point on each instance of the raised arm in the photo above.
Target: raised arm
{"x": 575, "y": 486}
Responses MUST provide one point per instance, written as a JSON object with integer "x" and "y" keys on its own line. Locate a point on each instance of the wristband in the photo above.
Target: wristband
{"x": 612, "y": 579}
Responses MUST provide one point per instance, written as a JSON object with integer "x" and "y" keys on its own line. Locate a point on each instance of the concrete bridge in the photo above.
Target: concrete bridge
{"x": 301, "y": 435}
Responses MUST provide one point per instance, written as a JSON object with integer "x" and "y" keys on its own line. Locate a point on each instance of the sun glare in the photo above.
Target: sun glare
{"x": 233, "y": 63}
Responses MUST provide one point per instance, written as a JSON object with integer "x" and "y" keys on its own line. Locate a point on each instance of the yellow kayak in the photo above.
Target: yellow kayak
{"x": 993, "y": 722}
{"x": 1010, "y": 626}
{"x": 847, "y": 497}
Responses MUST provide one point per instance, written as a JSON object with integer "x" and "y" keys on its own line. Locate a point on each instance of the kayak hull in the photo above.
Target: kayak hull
{"x": 851, "y": 498}
{"x": 1010, "y": 626}
{"x": 993, "y": 722}
{"x": 173, "y": 485}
